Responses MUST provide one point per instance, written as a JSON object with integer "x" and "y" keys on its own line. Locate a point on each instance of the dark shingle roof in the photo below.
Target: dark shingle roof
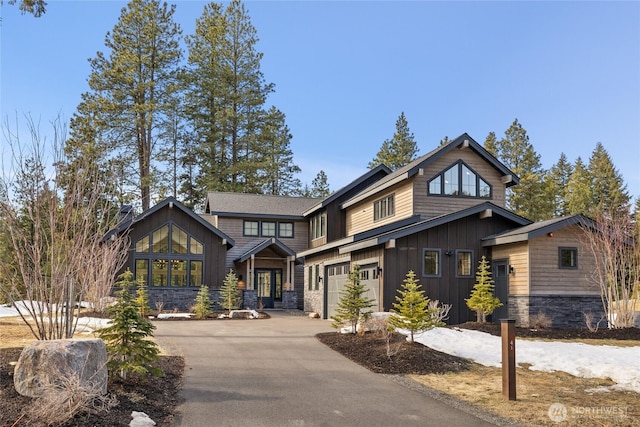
{"x": 258, "y": 205}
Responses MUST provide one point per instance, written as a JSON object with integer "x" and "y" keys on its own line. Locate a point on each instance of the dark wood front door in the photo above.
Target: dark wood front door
{"x": 500, "y": 274}
{"x": 269, "y": 284}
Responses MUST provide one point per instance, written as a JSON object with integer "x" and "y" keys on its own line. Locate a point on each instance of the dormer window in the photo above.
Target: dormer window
{"x": 459, "y": 180}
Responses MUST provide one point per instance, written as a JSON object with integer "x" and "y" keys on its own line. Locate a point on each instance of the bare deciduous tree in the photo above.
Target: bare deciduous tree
{"x": 611, "y": 241}
{"x": 53, "y": 229}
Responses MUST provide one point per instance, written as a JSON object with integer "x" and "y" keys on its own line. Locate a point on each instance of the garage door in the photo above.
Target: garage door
{"x": 369, "y": 279}
{"x": 338, "y": 275}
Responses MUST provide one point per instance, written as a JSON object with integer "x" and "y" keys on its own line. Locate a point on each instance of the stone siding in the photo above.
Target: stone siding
{"x": 313, "y": 302}
{"x": 183, "y": 298}
{"x": 290, "y": 300}
{"x": 564, "y": 311}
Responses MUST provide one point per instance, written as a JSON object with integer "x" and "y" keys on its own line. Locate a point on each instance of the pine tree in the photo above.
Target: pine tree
{"x": 490, "y": 144}
{"x": 278, "y": 170}
{"x": 142, "y": 298}
{"x": 225, "y": 104}
{"x": 517, "y": 153}
{"x": 132, "y": 94}
{"x": 353, "y": 305}
{"x": 398, "y": 151}
{"x": 579, "y": 194}
{"x": 229, "y": 292}
{"x": 127, "y": 338}
{"x": 610, "y": 194}
{"x": 556, "y": 182}
{"x": 202, "y": 307}
{"x": 320, "y": 185}
{"x": 444, "y": 141}
{"x": 411, "y": 311}
{"x": 482, "y": 299}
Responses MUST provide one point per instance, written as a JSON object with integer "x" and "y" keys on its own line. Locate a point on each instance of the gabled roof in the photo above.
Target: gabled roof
{"x": 174, "y": 204}
{"x": 252, "y": 248}
{"x": 413, "y": 168}
{"x": 257, "y": 205}
{"x": 486, "y": 208}
{"x": 536, "y": 229}
{"x": 380, "y": 169}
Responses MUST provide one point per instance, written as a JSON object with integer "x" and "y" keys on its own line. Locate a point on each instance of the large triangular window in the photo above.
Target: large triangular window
{"x": 459, "y": 180}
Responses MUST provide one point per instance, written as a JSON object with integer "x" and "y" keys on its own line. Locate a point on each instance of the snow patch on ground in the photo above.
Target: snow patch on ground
{"x": 620, "y": 364}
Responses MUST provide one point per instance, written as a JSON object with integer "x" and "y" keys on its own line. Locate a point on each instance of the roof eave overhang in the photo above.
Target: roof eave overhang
{"x": 368, "y": 193}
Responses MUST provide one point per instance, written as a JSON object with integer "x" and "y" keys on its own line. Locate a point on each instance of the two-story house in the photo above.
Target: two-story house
{"x": 436, "y": 216}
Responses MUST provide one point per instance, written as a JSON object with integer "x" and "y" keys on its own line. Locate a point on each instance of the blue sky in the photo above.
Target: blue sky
{"x": 344, "y": 71}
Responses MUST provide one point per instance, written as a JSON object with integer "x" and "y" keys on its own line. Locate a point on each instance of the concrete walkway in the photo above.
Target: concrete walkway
{"x": 274, "y": 372}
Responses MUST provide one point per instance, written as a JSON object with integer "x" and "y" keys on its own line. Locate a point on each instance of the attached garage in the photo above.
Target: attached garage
{"x": 337, "y": 276}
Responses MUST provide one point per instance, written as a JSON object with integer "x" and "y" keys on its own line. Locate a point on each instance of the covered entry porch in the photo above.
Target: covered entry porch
{"x": 267, "y": 269}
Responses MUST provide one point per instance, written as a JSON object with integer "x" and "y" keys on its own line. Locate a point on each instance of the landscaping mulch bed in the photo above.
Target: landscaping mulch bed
{"x": 558, "y": 333}
{"x": 155, "y": 396}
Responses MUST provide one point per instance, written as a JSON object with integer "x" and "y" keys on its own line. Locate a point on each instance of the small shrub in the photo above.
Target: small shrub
{"x": 127, "y": 338}
{"x": 353, "y": 304}
{"x": 202, "y": 307}
{"x": 589, "y": 320}
{"x": 540, "y": 321}
{"x": 412, "y": 310}
{"x": 229, "y": 292}
{"x": 482, "y": 299}
{"x": 65, "y": 398}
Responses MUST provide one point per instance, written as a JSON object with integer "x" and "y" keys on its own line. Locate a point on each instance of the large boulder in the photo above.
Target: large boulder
{"x": 44, "y": 363}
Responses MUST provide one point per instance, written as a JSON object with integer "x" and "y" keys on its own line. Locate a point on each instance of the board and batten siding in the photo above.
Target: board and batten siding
{"x": 518, "y": 256}
{"x": 432, "y": 206}
{"x": 546, "y": 276}
{"x": 360, "y": 216}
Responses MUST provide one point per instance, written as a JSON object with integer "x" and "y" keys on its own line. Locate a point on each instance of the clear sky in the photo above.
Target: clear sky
{"x": 344, "y": 71}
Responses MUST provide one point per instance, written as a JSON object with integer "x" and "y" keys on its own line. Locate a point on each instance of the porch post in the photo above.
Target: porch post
{"x": 288, "y": 277}
{"x": 250, "y": 266}
{"x": 293, "y": 272}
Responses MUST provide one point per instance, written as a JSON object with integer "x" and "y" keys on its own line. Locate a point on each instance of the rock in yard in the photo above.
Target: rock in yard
{"x": 44, "y": 364}
{"x": 140, "y": 419}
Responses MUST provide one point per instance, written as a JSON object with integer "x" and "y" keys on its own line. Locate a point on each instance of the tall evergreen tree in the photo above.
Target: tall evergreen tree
{"x": 491, "y": 143}
{"x": 132, "y": 91}
{"x": 225, "y": 97}
{"x": 398, "y": 151}
{"x": 579, "y": 190}
{"x": 277, "y": 173}
{"x": 320, "y": 185}
{"x": 556, "y": 182}
{"x": 610, "y": 194}
{"x": 517, "y": 153}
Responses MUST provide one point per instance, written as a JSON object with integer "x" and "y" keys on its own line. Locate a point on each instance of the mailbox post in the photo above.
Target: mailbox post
{"x": 508, "y": 334}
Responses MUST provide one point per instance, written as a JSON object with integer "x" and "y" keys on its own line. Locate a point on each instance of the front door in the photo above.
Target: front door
{"x": 500, "y": 269}
{"x": 269, "y": 285}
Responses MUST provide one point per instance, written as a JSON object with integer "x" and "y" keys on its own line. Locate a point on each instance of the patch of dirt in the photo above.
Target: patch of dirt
{"x": 156, "y": 396}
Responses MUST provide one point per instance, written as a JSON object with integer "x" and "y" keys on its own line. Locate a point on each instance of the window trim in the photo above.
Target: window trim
{"x": 471, "y": 271}
{"x": 438, "y": 265}
{"x": 568, "y": 248}
{"x": 459, "y": 164}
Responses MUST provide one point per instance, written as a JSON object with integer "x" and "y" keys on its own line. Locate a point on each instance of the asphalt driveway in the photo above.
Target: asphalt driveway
{"x": 274, "y": 372}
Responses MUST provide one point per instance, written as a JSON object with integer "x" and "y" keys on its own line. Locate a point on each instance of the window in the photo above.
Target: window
{"x": 464, "y": 261}
{"x": 318, "y": 225}
{"x": 310, "y": 278}
{"x": 383, "y": 208}
{"x": 317, "y": 282}
{"x": 431, "y": 263}
{"x": 250, "y": 228}
{"x": 268, "y": 229}
{"x": 568, "y": 257}
{"x": 178, "y": 241}
{"x": 285, "y": 229}
{"x": 459, "y": 180}
{"x": 169, "y": 256}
